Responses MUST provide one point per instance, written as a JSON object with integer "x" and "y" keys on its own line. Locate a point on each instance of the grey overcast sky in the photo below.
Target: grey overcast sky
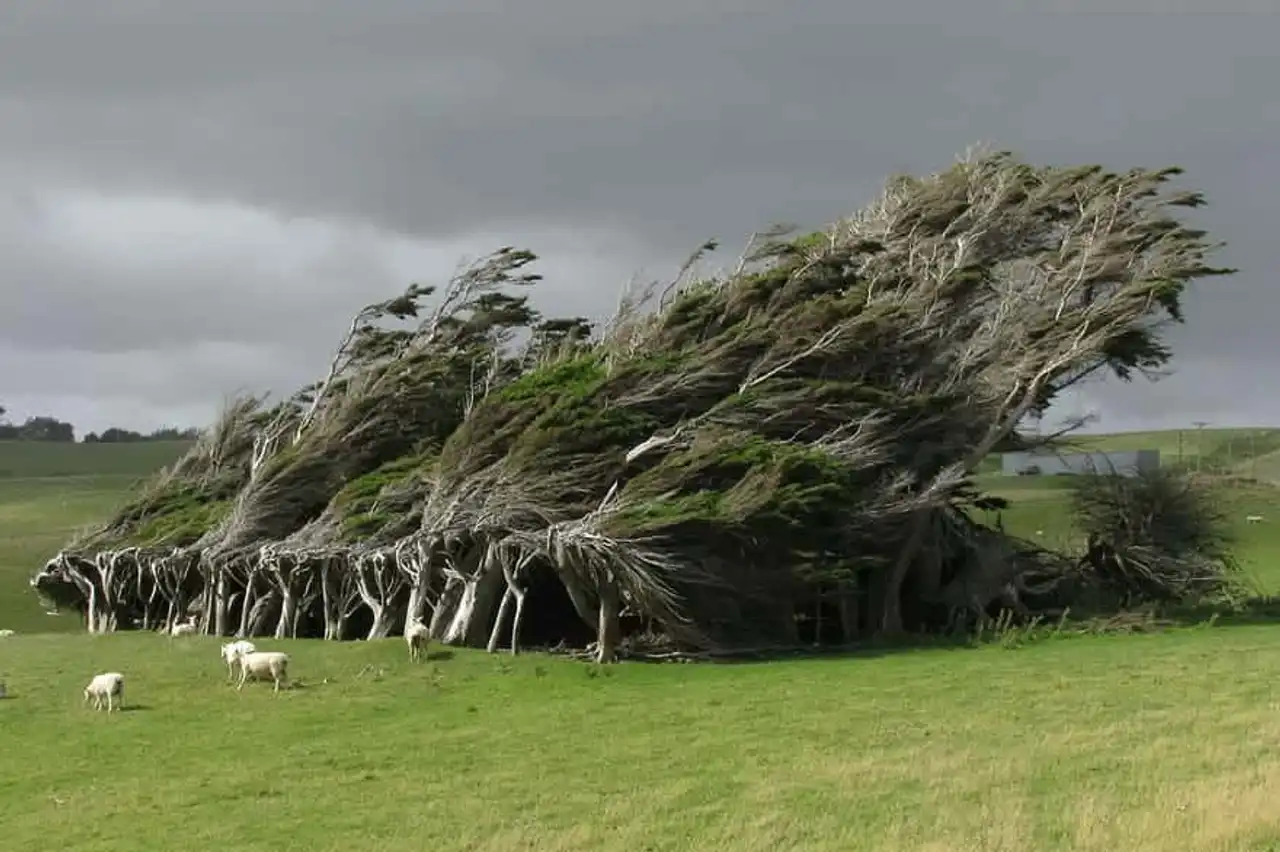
{"x": 195, "y": 196}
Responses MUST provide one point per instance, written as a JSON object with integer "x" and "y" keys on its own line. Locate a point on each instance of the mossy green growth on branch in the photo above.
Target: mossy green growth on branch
{"x": 379, "y": 498}
{"x": 747, "y": 486}
{"x": 172, "y": 513}
{"x": 183, "y": 520}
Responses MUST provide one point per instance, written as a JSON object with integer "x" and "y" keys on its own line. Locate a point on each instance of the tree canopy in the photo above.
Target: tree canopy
{"x": 720, "y": 454}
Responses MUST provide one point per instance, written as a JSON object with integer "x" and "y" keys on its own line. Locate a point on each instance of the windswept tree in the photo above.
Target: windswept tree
{"x": 797, "y": 435}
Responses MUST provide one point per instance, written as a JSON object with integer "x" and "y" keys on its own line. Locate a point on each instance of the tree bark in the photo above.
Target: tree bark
{"x": 221, "y": 604}
{"x": 246, "y": 608}
{"x": 579, "y": 597}
{"x": 329, "y": 599}
{"x": 891, "y": 611}
{"x": 378, "y": 583}
{"x": 445, "y": 608}
{"x": 461, "y": 613}
{"x": 92, "y": 616}
{"x": 383, "y": 620}
{"x": 517, "y": 621}
{"x": 608, "y": 628}
{"x": 503, "y": 608}
{"x": 288, "y": 608}
{"x": 489, "y": 586}
{"x": 470, "y": 623}
{"x": 420, "y": 576}
{"x": 261, "y": 609}
{"x": 891, "y": 623}
{"x": 417, "y": 607}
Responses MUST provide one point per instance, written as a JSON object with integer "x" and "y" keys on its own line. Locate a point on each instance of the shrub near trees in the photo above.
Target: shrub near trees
{"x": 727, "y": 462}
{"x": 1159, "y": 536}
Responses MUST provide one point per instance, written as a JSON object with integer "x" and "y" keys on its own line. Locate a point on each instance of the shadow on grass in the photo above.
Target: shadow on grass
{"x": 1254, "y": 611}
{"x": 866, "y": 649}
{"x": 1251, "y": 612}
{"x": 439, "y": 656}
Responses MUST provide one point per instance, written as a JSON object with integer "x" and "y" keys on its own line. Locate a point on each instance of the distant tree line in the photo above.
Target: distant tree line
{"x": 45, "y": 428}
{"x": 116, "y": 435}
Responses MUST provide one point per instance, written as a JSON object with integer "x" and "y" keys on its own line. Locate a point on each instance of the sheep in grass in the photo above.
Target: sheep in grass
{"x": 233, "y": 651}
{"x": 416, "y": 636}
{"x": 4, "y": 633}
{"x": 106, "y": 688}
{"x": 263, "y": 664}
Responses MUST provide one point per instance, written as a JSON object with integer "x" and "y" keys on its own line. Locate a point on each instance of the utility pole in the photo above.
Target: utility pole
{"x": 1199, "y": 424}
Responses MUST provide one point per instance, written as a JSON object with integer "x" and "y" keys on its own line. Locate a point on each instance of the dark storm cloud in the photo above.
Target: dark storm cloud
{"x": 392, "y": 127}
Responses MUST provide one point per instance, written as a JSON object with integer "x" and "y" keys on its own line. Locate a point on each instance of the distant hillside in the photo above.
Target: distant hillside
{"x": 42, "y": 459}
{"x": 1214, "y": 449}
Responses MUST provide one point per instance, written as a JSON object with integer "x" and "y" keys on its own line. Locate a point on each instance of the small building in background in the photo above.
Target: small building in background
{"x": 1124, "y": 463}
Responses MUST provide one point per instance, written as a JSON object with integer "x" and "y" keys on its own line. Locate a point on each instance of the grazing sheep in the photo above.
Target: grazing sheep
{"x": 4, "y": 633}
{"x": 187, "y": 628}
{"x": 233, "y": 651}
{"x": 416, "y": 635}
{"x": 109, "y": 687}
{"x": 1253, "y": 519}
{"x": 262, "y": 663}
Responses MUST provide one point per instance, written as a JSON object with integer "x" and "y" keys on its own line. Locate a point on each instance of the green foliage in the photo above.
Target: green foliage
{"x": 371, "y": 502}
{"x": 762, "y": 493}
{"x": 805, "y": 410}
{"x": 179, "y": 520}
{"x": 577, "y": 377}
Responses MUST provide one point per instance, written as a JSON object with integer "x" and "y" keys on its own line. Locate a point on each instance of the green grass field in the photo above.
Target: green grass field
{"x": 48, "y": 491}
{"x": 1141, "y": 742}
{"x": 1101, "y": 743}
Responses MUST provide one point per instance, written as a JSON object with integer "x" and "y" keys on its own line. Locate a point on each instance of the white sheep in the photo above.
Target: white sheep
{"x": 1253, "y": 519}
{"x": 416, "y": 635}
{"x": 233, "y": 651}
{"x": 262, "y": 663}
{"x": 109, "y": 687}
{"x": 187, "y": 628}
{"x": 4, "y": 633}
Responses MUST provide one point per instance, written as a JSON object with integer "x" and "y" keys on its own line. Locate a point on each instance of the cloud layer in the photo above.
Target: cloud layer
{"x": 195, "y": 197}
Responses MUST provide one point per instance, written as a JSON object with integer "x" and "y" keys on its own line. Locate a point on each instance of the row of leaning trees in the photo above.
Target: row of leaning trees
{"x": 779, "y": 453}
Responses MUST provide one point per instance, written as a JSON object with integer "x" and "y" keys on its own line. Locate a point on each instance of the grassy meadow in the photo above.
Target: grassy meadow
{"x": 1139, "y": 742}
{"x": 48, "y": 491}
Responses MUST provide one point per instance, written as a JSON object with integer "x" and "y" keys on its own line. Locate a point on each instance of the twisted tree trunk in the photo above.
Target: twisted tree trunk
{"x": 470, "y": 623}
{"x": 608, "y": 627}
{"x": 221, "y": 602}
